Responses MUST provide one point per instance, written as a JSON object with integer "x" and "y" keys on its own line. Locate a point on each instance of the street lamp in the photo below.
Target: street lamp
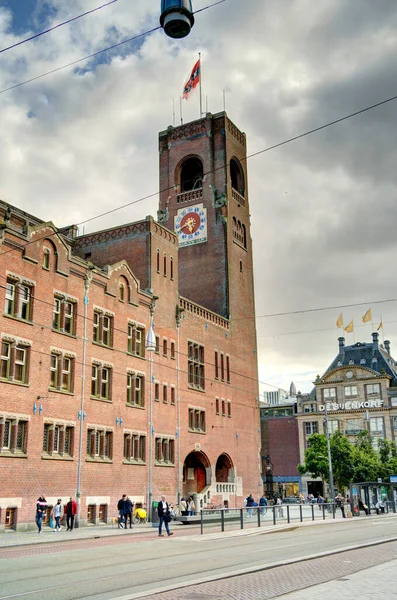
{"x": 176, "y": 17}
{"x": 150, "y": 347}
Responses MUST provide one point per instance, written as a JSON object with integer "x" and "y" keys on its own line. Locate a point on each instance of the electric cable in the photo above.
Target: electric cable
{"x": 94, "y": 54}
{"x": 33, "y": 37}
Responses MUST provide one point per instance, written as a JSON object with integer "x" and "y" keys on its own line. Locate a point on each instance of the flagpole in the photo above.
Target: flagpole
{"x": 180, "y": 108}
{"x": 173, "y": 112}
{"x": 201, "y": 88}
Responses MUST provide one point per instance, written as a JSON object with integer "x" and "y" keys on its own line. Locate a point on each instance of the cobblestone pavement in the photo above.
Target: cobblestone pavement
{"x": 287, "y": 579}
{"x": 376, "y": 582}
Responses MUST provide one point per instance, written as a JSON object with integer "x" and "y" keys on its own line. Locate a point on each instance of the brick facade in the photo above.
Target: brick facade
{"x": 203, "y": 389}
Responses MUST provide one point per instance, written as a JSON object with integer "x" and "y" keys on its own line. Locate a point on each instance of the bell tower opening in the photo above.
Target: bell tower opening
{"x": 191, "y": 175}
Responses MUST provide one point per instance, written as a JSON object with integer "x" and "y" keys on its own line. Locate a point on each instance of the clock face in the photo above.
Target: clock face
{"x": 349, "y": 374}
{"x": 191, "y": 225}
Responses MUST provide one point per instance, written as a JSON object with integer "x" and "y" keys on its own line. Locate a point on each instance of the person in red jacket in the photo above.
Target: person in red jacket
{"x": 70, "y": 512}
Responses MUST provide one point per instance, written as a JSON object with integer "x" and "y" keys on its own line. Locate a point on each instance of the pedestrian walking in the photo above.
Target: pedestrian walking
{"x": 128, "y": 506}
{"x": 263, "y": 505}
{"x": 163, "y": 511}
{"x": 250, "y": 504}
{"x": 41, "y": 507}
{"x": 340, "y": 503}
{"x": 121, "y": 509}
{"x": 191, "y": 507}
{"x": 70, "y": 512}
{"x": 183, "y": 507}
{"x": 56, "y": 514}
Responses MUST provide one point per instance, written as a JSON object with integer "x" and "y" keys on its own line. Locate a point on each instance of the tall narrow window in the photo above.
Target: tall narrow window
{"x": 165, "y": 264}
{"x": 18, "y": 300}
{"x": 227, "y": 368}
{"x": 222, "y": 367}
{"x": 158, "y": 260}
{"x": 216, "y": 365}
{"x": 171, "y": 268}
{"x": 196, "y": 377}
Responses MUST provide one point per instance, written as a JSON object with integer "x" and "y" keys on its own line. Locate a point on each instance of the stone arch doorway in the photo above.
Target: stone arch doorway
{"x": 196, "y": 473}
{"x": 224, "y": 470}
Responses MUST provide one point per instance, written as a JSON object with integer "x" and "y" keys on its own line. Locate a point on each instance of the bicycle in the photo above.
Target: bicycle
{"x": 140, "y": 516}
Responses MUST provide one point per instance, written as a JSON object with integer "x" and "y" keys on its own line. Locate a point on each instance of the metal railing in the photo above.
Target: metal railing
{"x": 259, "y": 516}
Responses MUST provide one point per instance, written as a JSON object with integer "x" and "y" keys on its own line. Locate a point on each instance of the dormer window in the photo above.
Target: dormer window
{"x": 363, "y": 361}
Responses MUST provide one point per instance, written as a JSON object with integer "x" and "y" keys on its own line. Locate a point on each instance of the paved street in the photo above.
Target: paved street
{"x": 127, "y": 566}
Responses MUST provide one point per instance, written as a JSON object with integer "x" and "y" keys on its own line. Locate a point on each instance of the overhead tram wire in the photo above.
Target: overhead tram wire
{"x": 94, "y": 54}
{"x": 33, "y": 37}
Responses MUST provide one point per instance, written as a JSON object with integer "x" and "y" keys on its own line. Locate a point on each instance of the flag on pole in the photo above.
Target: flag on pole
{"x": 368, "y": 316}
{"x": 349, "y": 328}
{"x": 380, "y": 325}
{"x": 193, "y": 80}
{"x": 339, "y": 322}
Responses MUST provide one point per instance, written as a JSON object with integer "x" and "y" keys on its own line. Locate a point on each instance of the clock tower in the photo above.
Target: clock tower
{"x": 204, "y": 200}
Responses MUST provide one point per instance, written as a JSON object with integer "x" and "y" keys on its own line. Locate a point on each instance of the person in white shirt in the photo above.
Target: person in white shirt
{"x": 163, "y": 511}
{"x": 56, "y": 515}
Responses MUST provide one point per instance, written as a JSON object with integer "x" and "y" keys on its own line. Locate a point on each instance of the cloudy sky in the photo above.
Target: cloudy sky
{"x": 324, "y": 212}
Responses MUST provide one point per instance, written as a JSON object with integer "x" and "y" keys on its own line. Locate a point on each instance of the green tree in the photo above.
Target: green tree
{"x": 316, "y": 459}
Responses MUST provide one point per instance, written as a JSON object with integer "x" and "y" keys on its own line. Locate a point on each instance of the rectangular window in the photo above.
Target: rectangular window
{"x": 171, "y": 268}
{"x": 136, "y": 337}
{"x": 223, "y": 408}
{"x": 333, "y": 426}
{"x": 58, "y": 439}
{"x": 350, "y": 390}
{"x": 102, "y": 332}
{"x": 229, "y": 409}
{"x": 165, "y": 264}
{"x": 101, "y": 382}
{"x": 172, "y": 350}
{"x": 311, "y": 427}
{"x": 376, "y": 426}
{"x": 372, "y": 388}
{"x": 135, "y": 447}
{"x": 165, "y": 347}
{"x": 135, "y": 390}
{"x": 227, "y": 368}
{"x": 329, "y": 393}
{"x": 64, "y": 316}
{"x": 7, "y": 435}
{"x": 172, "y": 390}
{"x": 157, "y": 392}
{"x": 22, "y": 429}
{"x": 14, "y": 362}
{"x": 217, "y": 406}
{"x": 196, "y": 420}
{"x": 222, "y": 366}
{"x": 18, "y": 300}
{"x": 158, "y": 260}
{"x": 165, "y": 451}
{"x": 354, "y": 426}
{"x": 157, "y": 345}
{"x": 165, "y": 394}
{"x": 216, "y": 365}
{"x": 61, "y": 372}
{"x": 196, "y": 377}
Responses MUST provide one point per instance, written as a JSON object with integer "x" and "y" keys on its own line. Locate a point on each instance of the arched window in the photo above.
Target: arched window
{"x": 237, "y": 177}
{"x": 191, "y": 175}
{"x": 121, "y": 292}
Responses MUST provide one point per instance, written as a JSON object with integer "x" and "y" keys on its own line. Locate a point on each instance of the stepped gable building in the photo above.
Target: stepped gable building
{"x": 81, "y": 396}
{"x": 358, "y": 391}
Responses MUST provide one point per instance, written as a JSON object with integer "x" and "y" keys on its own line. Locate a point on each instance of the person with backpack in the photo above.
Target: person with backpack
{"x": 263, "y": 505}
{"x": 121, "y": 509}
{"x": 250, "y": 504}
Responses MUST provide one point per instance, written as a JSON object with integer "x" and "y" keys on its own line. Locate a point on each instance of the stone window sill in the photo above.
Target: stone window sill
{"x": 98, "y": 459}
{"x": 47, "y": 456}
{"x": 13, "y": 318}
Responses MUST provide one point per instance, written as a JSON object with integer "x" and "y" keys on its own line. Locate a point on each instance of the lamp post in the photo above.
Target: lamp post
{"x": 331, "y": 475}
{"x": 81, "y": 412}
{"x": 150, "y": 347}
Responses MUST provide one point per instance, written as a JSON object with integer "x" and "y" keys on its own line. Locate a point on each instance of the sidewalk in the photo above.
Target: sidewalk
{"x": 9, "y": 539}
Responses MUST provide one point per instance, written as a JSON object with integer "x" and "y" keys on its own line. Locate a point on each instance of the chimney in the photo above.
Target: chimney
{"x": 341, "y": 341}
{"x": 387, "y": 346}
{"x": 375, "y": 339}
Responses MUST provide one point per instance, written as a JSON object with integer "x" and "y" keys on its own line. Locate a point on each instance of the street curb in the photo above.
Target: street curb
{"x": 250, "y": 570}
{"x": 282, "y": 527}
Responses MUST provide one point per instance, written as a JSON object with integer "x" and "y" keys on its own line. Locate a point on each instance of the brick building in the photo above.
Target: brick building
{"x": 81, "y": 396}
